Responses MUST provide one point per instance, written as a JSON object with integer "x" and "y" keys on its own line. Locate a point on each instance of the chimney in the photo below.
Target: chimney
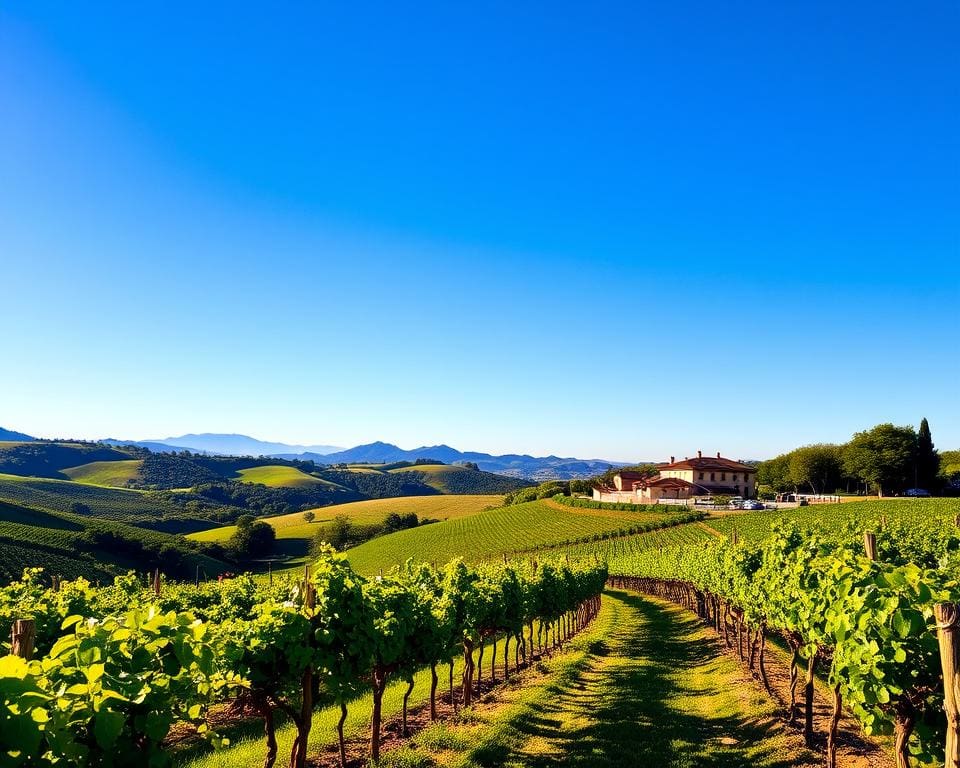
{"x": 699, "y": 454}
{"x": 672, "y": 459}
{"x": 718, "y": 454}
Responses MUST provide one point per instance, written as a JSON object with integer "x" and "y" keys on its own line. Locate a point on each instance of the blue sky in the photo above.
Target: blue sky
{"x": 624, "y": 230}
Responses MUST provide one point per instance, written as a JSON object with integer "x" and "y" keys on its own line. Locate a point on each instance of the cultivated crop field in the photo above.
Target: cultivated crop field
{"x": 122, "y": 505}
{"x": 517, "y": 528}
{"x": 69, "y": 545}
{"x": 616, "y": 550}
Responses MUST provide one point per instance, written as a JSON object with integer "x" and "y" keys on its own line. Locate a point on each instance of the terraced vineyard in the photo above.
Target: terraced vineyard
{"x": 70, "y": 545}
{"x": 519, "y": 528}
{"x": 620, "y": 549}
{"x": 121, "y": 505}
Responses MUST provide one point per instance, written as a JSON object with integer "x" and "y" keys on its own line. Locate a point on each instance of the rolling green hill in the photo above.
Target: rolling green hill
{"x": 113, "y": 473}
{"x": 71, "y": 545}
{"x": 517, "y": 528}
{"x": 49, "y": 459}
{"x": 279, "y": 476}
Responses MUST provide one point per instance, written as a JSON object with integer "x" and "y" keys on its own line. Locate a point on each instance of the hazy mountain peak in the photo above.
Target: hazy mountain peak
{"x": 12, "y": 436}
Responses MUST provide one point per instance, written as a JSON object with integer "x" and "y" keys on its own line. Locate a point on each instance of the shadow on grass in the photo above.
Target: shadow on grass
{"x": 629, "y": 720}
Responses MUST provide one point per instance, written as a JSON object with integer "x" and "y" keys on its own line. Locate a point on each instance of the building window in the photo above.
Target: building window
{"x": 723, "y": 475}
{"x": 734, "y": 477}
{"x": 701, "y": 475}
{"x": 713, "y": 475}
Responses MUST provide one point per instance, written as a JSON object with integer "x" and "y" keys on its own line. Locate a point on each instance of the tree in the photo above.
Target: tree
{"x": 339, "y": 532}
{"x": 580, "y": 487}
{"x": 253, "y": 538}
{"x": 818, "y": 466}
{"x": 882, "y": 456}
{"x": 928, "y": 460}
{"x": 309, "y": 515}
{"x": 775, "y": 473}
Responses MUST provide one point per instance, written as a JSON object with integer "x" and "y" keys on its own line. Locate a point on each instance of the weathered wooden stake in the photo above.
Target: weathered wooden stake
{"x": 156, "y": 582}
{"x": 834, "y": 724}
{"x": 947, "y": 616}
{"x": 808, "y": 699}
{"x": 870, "y": 544}
{"x": 22, "y": 637}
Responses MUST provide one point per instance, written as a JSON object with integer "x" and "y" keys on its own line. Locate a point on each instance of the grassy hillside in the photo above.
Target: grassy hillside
{"x": 70, "y": 545}
{"x": 520, "y": 527}
{"x": 279, "y": 476}
{"x": 113, "y": 473}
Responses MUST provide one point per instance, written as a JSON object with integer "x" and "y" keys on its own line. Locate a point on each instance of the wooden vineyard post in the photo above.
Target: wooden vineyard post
{"x": 870, "y": 544}
{"x": 947, "y": 615}
{"x": 808, "y": 698}
{"x": 834, "y": 723}
{"x": 156, "y": 582}
{"x": 22, "y": 637}
{"x": 298, "y": 755}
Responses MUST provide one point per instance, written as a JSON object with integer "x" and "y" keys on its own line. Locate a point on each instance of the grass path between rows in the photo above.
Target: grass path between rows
{"x": 646, "y": 685}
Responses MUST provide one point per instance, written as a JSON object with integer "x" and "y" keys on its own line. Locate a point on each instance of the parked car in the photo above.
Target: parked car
{"x": 918, "y": 492}
{"x": 751, "y": 504}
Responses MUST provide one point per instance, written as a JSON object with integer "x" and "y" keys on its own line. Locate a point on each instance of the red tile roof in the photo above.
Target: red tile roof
{"x": 709, "y": 463}
{"x": 670, "y": 482}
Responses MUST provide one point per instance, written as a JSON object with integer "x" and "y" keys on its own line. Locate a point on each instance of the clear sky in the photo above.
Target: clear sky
{"x": 619, "y": 230}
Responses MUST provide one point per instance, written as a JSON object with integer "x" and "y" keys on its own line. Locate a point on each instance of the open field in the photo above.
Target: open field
{"x": 279, "y": 476}
{"x": 517, "y": 528}
{"x": 293, "y": 526}
{"x": 111, "y": 473}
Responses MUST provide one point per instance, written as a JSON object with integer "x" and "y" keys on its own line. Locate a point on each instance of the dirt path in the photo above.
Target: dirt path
{"x": 660, "y": 692}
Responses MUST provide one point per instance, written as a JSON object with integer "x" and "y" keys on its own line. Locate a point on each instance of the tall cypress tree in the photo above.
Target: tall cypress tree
{"x": 928, "y": 460}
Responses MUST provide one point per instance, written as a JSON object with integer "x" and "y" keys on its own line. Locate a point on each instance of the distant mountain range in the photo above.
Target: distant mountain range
{"x": 225, "y": 445}
{"x": 9, "y": 434}
{"x": 513, "y": 465}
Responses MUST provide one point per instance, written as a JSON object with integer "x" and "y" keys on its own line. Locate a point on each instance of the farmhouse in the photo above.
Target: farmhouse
{"x": 681, "y": 480}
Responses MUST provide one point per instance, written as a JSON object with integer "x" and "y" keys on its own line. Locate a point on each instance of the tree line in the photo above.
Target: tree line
{"x": 886, "y": 460}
